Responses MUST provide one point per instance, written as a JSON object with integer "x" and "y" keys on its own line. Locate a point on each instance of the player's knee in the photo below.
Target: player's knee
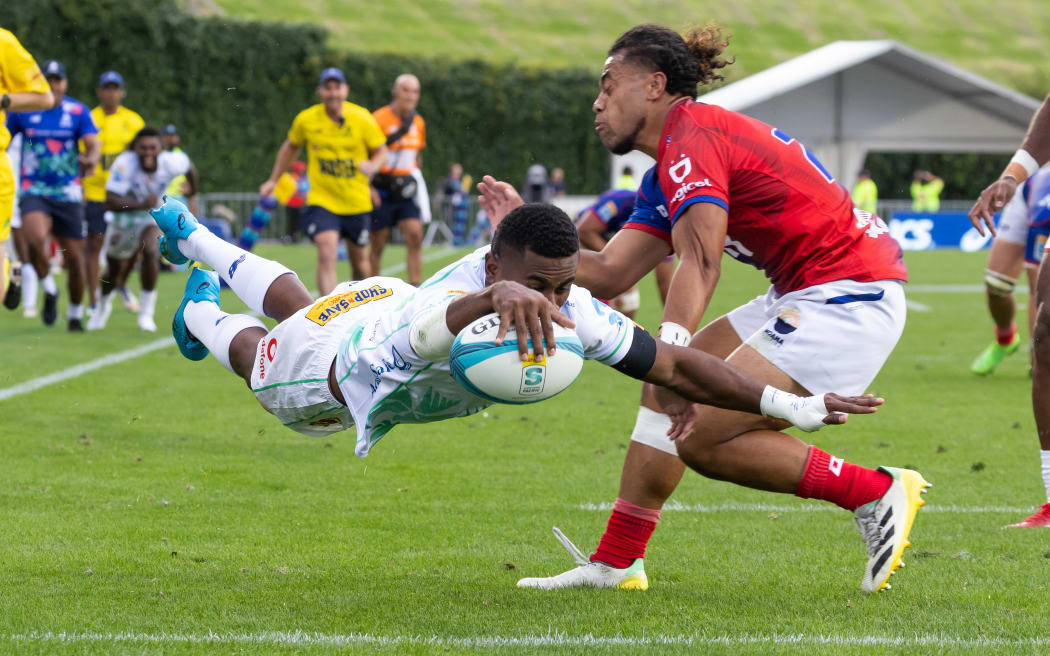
{"x": 998, "y": 284}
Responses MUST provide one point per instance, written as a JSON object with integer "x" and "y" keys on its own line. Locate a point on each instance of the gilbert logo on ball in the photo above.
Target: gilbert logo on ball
{"x": 495, "y": 372}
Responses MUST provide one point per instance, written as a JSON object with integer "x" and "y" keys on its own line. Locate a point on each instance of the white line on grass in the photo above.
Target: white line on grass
{"x": 806, "y": 507}
{"x": 917, "y": 306}
{"x": 115, "y": 358}
{"x": 304, "y": 639}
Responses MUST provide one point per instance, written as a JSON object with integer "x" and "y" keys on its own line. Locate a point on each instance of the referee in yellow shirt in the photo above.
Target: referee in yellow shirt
{"x": 344, "y": 148}
{"x": 22, "y": 89}
{"x": 117, "y": 125}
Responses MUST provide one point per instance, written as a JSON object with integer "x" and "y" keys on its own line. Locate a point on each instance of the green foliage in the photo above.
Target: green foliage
{"x": 965, "y": 175}
{"x": 234, "y": 87}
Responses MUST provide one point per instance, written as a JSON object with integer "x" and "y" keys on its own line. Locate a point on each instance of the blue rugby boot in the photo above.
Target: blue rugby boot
{"x": 201, "y": 287}
{"x": 176, "y": 222}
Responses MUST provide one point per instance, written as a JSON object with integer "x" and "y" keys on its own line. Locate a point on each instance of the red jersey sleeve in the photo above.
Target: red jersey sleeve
{"x": 693, "y": 164}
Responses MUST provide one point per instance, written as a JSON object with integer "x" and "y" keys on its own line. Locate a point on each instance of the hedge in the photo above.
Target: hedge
{"x": 233, "y": 88}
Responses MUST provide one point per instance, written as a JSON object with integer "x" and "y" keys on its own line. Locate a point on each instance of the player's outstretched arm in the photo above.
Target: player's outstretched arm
{"x": 703, "y": 378}
{"x": 498, "y": 199}
{"x": 530, "y": 312}
{"x": 1034, "y": 152}
{"x": 625, "y": 260}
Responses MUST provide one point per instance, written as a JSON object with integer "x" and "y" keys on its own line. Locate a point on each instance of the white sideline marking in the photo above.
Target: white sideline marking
{"x": 302, "y": 638}
{"x": 956, "y": 289}
{"x": 81, "y": 369}
{"x": 917, "y": 306}
{"x": 115, "y": 358}
{"x": 808, "y": 507}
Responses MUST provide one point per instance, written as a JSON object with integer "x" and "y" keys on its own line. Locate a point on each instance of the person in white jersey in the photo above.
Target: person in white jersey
{"x": 137, "y": 180}
{"x": 375, "y": 353}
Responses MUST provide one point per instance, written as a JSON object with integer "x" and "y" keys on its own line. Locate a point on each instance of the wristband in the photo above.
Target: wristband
{"x": 429, "y": 335}
{"x": 1022, "y": 166}
{"x": 776, "y": 403}
{"x": 674, "y": 334}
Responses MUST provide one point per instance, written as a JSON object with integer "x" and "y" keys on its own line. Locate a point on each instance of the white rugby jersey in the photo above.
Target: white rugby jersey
{"x": 126, "y": 177}
{"x": 385, "y": 383}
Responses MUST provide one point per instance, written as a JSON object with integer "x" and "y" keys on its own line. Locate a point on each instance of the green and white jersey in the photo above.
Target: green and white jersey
{"x": 384, "y": 381}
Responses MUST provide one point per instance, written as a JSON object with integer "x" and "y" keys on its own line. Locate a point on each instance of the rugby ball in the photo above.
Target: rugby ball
{"x": 495, "y": 372}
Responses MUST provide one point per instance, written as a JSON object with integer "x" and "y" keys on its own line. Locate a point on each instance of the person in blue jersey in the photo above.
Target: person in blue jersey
{"x": 1019, "y": 241}
{"x": 51, "y": 198}
{"x": 599, "y": 222}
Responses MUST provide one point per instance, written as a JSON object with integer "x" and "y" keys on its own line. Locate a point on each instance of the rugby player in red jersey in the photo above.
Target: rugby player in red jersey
{"x": 834, "y": 312}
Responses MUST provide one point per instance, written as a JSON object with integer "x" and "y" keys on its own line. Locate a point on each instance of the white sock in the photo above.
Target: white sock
{"x": 147, "y": 303}
{"x": 49, "y": 285}
{"x": 106, "y": 300}
{"x": 30, "y": 282}
{"x": 75, "y": 311}
{"x": 247, "y": 274}
{"x": 1044, "y": 456}
{"x": 216, "y": 329}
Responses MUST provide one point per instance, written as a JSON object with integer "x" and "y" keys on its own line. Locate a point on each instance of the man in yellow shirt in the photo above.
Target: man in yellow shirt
{"x": 22, "y": 89}
{"x": 117, "y": 125}
{"x": 344, "y": 148}
{"x": 865, "y": 193}
{"x": 926, "y": 192}
{"x": 406, "y": 137}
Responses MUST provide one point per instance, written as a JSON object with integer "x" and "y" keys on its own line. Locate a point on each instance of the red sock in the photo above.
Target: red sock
{"x": 1004, "y": 337}
{"x": 626, "y": 535}
{"x": 844, "y": 484}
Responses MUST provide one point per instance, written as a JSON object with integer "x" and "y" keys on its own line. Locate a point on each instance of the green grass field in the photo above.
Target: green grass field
{"x": 151, "y": 506}
{"x": 1006, "y": 43}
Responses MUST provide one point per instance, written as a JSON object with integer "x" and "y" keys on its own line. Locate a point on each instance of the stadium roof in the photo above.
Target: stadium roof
{"x": 849, "y": 98}
{"x": 901, "y": 60}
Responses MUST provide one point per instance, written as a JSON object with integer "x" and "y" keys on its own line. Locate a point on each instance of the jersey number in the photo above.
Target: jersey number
{"x": 786, "y": 139}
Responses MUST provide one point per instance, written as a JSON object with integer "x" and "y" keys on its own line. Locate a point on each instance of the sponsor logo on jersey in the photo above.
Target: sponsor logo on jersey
{"x": 267, "y": 352}
{"x": 680, "y": 169}
{"x": 679, "y": 195}
{"x": 329, "y": 308}
{"x": 339, "y": 168}
{"x": 327, "y": 421}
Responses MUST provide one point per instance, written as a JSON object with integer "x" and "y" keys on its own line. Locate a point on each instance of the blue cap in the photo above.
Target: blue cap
{"x": 331, "y": 73}
{"x": 110, "y": 77}
{"x": 54, "y": 68}
{"x": 170, "y": 129}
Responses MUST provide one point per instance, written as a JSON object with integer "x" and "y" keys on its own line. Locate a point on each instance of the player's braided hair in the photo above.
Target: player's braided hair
{"x": 687, "y": 62}
{"x": 542, "y": 228}
{"x": 146, "y": 131}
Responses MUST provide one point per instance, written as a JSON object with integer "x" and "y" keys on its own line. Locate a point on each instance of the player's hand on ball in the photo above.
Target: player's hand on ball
{"x": 840, "y": 406}
{"x": 498, "y": 199}
{"x": 531, "y": 314}
{"x": 991, "y": 200}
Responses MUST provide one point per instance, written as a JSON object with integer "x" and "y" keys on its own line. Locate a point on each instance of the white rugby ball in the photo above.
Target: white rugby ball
{"x": 495, "y": 372}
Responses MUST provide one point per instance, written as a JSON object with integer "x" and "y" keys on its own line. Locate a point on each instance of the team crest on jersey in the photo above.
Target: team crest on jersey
{"x": 329, "y": 308}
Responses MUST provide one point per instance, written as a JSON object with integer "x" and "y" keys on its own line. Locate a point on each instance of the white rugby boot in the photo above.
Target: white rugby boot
{"x": 885, "y": 524}
{"x": 590, "y": 574}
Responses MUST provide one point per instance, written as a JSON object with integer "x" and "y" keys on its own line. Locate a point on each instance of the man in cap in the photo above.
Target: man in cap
{"x": 116, "y": 125}
{"x": 51, "y": 198}
{"x": 344, "y": 147}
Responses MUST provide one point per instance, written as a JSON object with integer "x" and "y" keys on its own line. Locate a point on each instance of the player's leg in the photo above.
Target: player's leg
{"x": 266, "y": 286}
{"x": 327, "y": 242}
{"x": 1005, "y": 262}
{"x": 357, "y": 230}
{"x": 1041, "y": 390}
{"x": 95, "y": 214}
{"x": 651, "y": 472}
{"x": 376, "y": 245}
{"x": 150, "y": 269}
{"x": 201, "y": 327}
{"x": 36, "y": 227}
{"x": 73, "y": 259}
{"x": 412, "y": 230}
{"x": 664, "y": 272}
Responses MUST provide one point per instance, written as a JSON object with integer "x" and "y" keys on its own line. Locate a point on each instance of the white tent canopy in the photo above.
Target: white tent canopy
{"x": 849, "y": 98}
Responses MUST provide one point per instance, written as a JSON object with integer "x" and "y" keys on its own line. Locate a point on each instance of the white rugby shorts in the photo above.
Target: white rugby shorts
{"x": 832, "y": 337}
{"x": 290, "y": 373}
{"x": 124, "y": 234}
